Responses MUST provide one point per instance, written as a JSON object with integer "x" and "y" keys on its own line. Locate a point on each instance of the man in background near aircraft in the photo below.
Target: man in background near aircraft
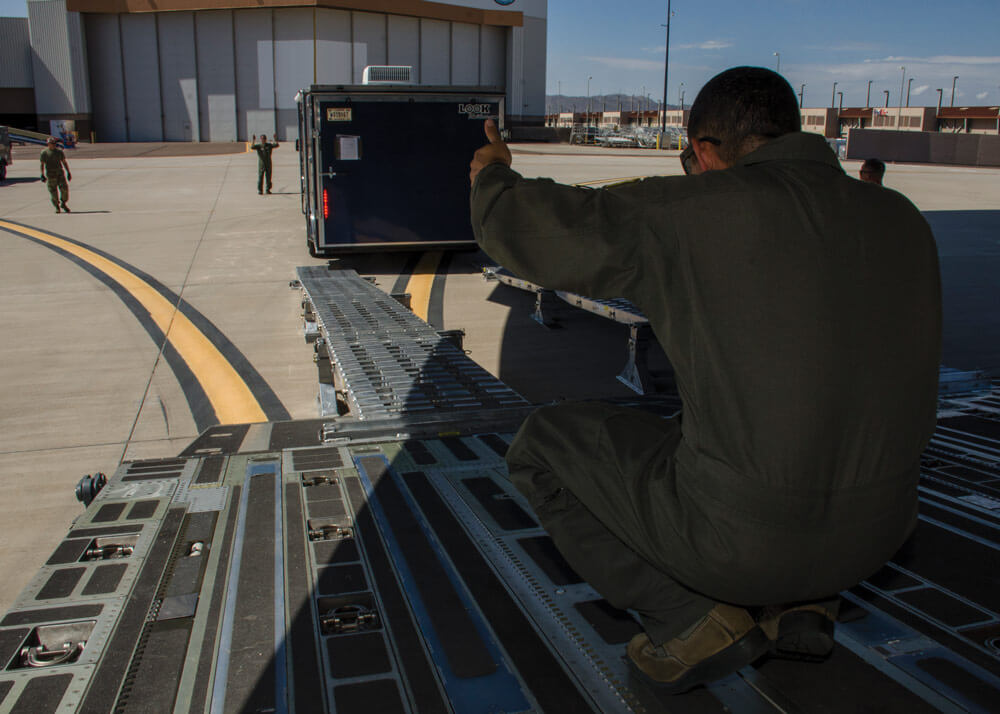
{"x": 52, "y": 161}
{"x": 263, "y": 150}
{"x": 802, "y": 315}
{"x": 872, "y": 171}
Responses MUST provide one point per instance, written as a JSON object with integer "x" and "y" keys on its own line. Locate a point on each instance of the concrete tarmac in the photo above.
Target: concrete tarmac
{"x": 84, "y": 386}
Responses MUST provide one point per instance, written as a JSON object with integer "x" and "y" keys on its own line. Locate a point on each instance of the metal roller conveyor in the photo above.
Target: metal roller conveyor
{"x": 385, "y": 360}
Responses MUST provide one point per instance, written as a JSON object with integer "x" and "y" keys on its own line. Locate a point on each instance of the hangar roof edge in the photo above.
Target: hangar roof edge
{"x": 414, "y": 8}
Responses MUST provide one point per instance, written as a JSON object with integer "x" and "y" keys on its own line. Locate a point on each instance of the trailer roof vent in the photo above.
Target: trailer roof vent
{"x": 380, "y": 74}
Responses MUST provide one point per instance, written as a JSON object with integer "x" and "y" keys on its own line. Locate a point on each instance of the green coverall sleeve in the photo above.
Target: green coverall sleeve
{"x": 561, "y": 237}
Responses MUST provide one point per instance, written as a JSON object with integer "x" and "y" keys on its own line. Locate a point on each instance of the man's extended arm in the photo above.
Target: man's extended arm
{"x": 69, "y": 176}
{"x": 562, "y": 237}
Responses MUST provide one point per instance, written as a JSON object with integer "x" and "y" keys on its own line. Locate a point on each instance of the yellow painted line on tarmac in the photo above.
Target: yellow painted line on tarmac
{"x": 229, "y": 395}
{"x": 421, "y": 281}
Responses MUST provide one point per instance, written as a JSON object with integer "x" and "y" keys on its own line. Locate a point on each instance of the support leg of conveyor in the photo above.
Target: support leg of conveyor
{"x": 635, "y": 374}
{"x": 310, "y": 330}
{"x": 540, "y": 301}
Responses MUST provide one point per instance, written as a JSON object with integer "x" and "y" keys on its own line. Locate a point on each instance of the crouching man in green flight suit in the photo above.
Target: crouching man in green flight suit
{"x": 801, "y": 311}
{"x": 52, "y": 161}
{"x": 263, "y": 149}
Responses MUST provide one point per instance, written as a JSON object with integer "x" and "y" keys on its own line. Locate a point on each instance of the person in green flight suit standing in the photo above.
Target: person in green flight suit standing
{"x": 52, "y": 161}
{"x": 263, "y": 149}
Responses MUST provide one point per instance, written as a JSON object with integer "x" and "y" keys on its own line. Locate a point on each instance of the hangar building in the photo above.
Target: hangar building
{"x": 224, "y": 70}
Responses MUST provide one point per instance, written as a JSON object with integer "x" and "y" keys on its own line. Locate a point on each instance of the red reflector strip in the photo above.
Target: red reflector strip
{"x": 326, "y": 205}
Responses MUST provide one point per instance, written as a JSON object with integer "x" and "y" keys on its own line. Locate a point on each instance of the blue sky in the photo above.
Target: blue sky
{"x": 621, "y": 45}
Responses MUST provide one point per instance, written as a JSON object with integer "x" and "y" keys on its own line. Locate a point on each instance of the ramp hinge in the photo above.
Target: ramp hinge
{"x": 348, "y": 618}
{"x": 42, "y": 656}
{"x": 330, "y": 532}
{"x": 107, "y": 552}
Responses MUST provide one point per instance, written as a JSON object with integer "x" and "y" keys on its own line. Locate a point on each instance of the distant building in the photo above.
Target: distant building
{"x": 224, "y": 70}
{"x": 678, "y": 118}
{"x": 969, "y": 120}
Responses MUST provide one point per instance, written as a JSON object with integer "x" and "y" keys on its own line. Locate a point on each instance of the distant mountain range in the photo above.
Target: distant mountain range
{"x": 603, "y": 102}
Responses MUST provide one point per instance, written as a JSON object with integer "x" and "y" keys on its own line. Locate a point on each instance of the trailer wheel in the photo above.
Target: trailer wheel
{"x": 312, "y": 249}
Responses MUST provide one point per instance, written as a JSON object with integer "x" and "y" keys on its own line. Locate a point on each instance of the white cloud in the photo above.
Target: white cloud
{"x": 982, "y": 95}
{"x": 627, "y": 63}
{"x": 921, "y": 89}
{"x": 844, "y": 47}
{"x": 706, "y": 45}
{"x": 942, "y": 59}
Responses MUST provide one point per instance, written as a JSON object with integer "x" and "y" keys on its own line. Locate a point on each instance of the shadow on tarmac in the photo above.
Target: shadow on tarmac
{"x": 969, "y": 249}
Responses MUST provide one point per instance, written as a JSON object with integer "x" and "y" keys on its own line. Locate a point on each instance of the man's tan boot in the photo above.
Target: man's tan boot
{"x": 802, "y": 631}
{"x": 725, "y": 640}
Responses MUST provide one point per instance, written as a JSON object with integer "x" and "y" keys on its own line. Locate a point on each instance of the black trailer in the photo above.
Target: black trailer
{"x": 386, "y": 167}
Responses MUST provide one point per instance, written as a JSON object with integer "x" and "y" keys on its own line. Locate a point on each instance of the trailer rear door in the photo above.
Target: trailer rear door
{"x": 393, "y": 168}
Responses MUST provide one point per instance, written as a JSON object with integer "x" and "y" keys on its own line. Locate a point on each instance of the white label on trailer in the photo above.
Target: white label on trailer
{"x": 347, "y": 148}
{"x": 338, "y": 114}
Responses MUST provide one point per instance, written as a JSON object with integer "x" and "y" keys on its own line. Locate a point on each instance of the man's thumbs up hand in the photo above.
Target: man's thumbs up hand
{"x": 492, "y": 153}
{"x": 492, "y": 132}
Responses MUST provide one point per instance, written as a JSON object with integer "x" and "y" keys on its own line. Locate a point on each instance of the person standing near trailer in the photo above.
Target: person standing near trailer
{"x": 263, "y": 149}
{"x": 53, "y": 160}
{"x": 5, "y": 156}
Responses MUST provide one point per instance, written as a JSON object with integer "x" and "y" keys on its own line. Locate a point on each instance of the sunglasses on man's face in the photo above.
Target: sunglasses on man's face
{"x": 689, "y": 162}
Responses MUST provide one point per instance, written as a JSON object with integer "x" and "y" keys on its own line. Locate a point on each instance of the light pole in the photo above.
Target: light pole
{"x": 953, "y": 81}
{"x": 841, "y": 102}
{"x": 588, "y": 100}
{"x": 682, "y": 108}
{"x": 868, "y": 97}
{"x": 899, "y": 109}
{"x": 909, "y": 84}
{"x": 833, "y": 95}
{"x": 886, "y": 92}
{"x": 778, "y": 67}
{"x": 666, "y": 69}
{"x": 802, "y": 91}
{"x": 680, "y": 98}
{"x": 940, "y": 92}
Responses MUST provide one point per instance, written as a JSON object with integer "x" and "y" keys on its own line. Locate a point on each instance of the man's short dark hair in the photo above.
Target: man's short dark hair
{"x": 743, "y": 108}
{"x": 876, "y": 166}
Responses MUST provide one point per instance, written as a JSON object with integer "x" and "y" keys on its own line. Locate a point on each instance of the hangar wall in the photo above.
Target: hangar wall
{"x": 17, "y": 85}
{"x": 225, "y": 75}
{"x": 59, "y": 63}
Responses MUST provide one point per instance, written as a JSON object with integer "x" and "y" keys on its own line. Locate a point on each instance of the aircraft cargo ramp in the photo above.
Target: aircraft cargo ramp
{"x": 378, "y": 560}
